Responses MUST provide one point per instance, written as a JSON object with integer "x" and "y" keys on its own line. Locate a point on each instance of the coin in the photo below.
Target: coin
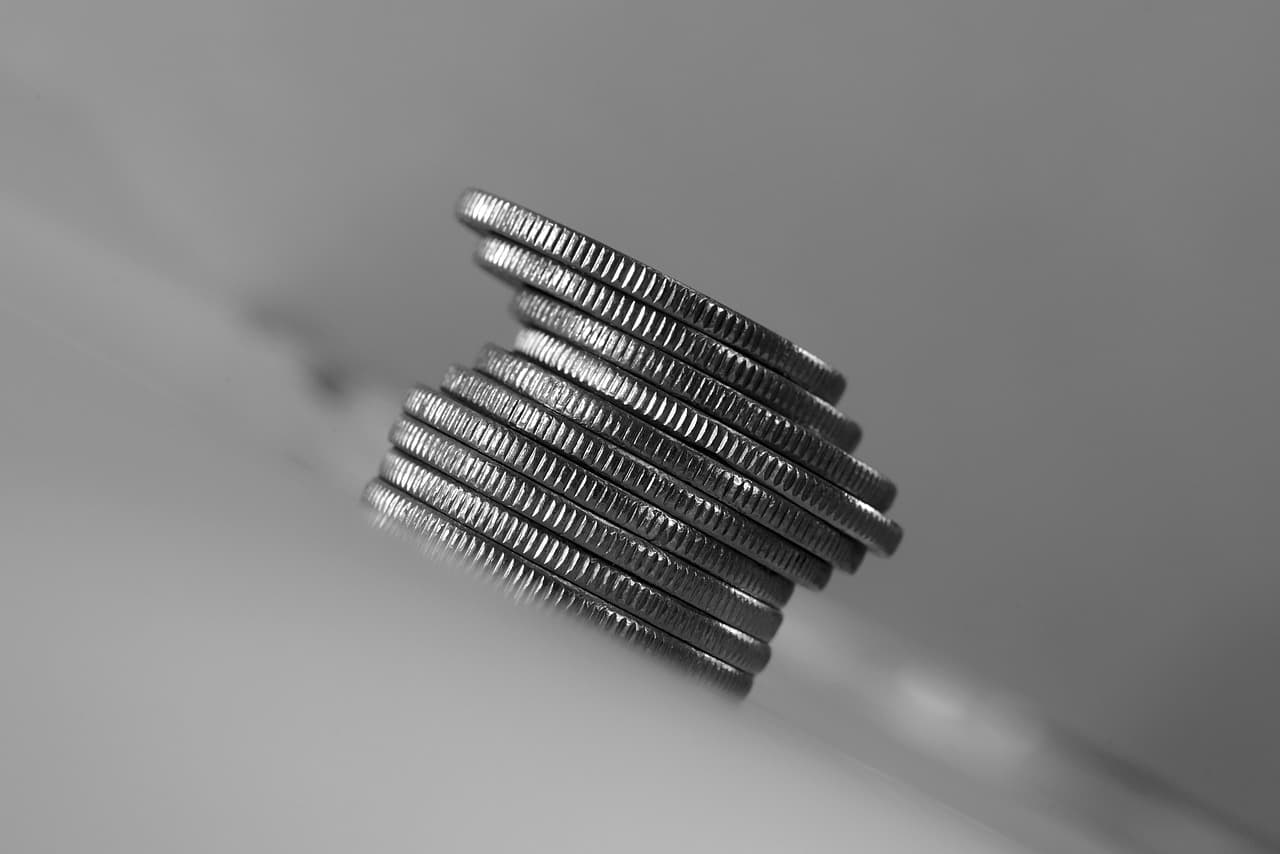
{"x": 488, "y": 213}
{"x": 820, "y": 498}
{"x": 539, "y": 503}
{"x": 521, "y": 266}
{"x": 735, "y": 410}
{"x": 489, "y": 436}
{"x": 562, "y": 557}
{"x": 441, "y": 538}
{"x": 716, "y": 518}
{"x": 700, "y": 470}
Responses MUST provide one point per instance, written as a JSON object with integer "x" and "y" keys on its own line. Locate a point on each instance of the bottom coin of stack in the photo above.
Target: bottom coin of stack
{"x": 646, "y": 458}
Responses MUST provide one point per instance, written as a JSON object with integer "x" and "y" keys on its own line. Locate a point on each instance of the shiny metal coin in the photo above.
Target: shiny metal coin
{"x": 442, "y": 538}
{"x": 522, "y": 266}
{"x": 823, "y": 499}
{"x": 595, "y": 493}
{"x": 696, "y": 468}
{"x": 671, "y": 376}
{"x": 735, "y": 529}
{"x": 572, "y": 563}
{"x": 488, "y": 213}
{"x": 539, "y": 502}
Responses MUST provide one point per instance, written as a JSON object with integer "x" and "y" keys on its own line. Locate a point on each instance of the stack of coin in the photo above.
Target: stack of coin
{"x": 644, "y": 456}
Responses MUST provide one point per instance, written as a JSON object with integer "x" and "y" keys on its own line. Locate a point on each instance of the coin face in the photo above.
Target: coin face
{"x": 488, "y": 213}
{"x": 564, "y": 558}
{"x": 540, "y": 502}
{"x": 610, "y": 306}
{"x": 670, "y": 376}
{"x": 441, "y": 537}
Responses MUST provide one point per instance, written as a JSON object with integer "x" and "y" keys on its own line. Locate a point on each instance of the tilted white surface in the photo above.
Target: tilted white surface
{"x": 202, "y": 650}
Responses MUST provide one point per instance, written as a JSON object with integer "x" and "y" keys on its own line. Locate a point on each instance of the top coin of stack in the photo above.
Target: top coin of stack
{"x": 644, "y": 456}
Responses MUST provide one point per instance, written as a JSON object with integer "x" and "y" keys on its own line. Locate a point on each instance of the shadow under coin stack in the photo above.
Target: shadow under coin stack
{"x": 643, "y": 457}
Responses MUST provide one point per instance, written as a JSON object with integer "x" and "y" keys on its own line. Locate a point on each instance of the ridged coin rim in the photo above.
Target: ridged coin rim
{"x": 572, "y": 563}
{"x": 784, "y": 558}
{"x": 439, "y": 538}
{"x": 671, "y": 454}
{"x": 821, "y": 499}
{"x": 541, "y": 503}
{"x": 486, "y": 212}
{"x": 524, "y": 454}
{"x": 524, "y": 267}
{"x": 778, "y": 433}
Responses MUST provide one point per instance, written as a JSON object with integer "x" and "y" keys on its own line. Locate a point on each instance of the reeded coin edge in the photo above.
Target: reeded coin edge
{"x": 441, "y": 539}
{"x": 545, "y": 507}
{"x": 735, "y": 410}
{"x": 521, "y": 266}
{"x": 561, "y": 556}
{"x": 812, "y": 543}
{"x": 486, "y": 212}
{"x": 820, "y": 502}
{"x": 760, "y": 587}
{"x": 632, "y": 471}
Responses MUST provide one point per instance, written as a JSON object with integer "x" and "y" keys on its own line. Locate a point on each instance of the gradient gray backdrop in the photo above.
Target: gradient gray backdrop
{"x": 1042, "y": 239}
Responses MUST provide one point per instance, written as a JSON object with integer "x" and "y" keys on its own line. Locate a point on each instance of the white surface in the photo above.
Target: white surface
{"x": 203, "y": 648}
{"x": 1040, "y": 236}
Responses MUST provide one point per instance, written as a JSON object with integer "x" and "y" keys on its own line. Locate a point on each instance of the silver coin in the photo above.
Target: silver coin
{"x": 735, "y": 529}
{"x": 735, "y": 410}
{"x": 593, "y": 492}
{"x": 560, "y": 556}
{"x": 488, "y": 213}
{"x": 539, "y": 503}
{"x": 522, "y": 266}
{"x": 442, "y": 538}
{"x": 821, "y": 498}
{"x": 679, "y": 459}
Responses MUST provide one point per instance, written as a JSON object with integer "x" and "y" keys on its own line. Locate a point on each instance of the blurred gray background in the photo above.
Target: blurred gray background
{"x": 1042, "y": 240}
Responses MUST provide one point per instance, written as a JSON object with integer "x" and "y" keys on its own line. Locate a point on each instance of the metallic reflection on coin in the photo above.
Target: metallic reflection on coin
{"x": 442, "y": 538}
{"x": 614, "y": 308}
{"x": 584, "y": 529}
{"x": 674, "y": 494}
{"x": 647, "y": 458}
{"x": 735, "y": 410}
{"x": 602, "y": 496}
{"x": 563, "y": 558}
{"x": 717, "y": 477}
{"x": 488, "y": 213}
